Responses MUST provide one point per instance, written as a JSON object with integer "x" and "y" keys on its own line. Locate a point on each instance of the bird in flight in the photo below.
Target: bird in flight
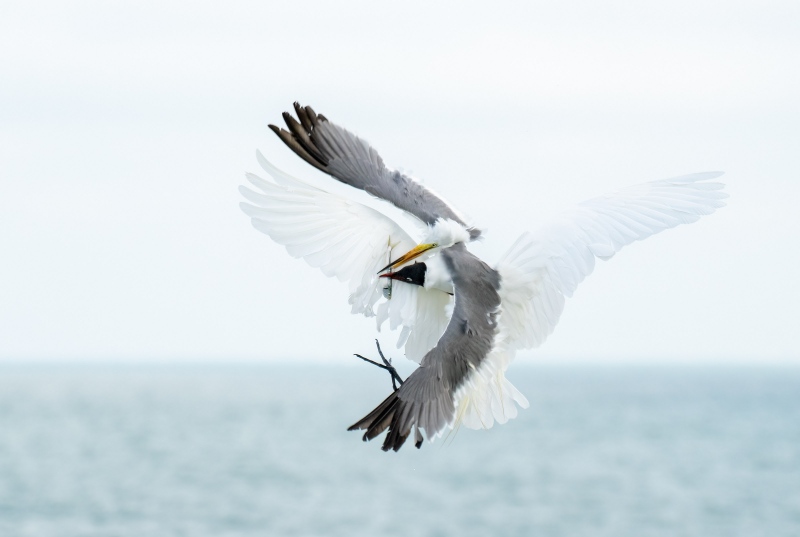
{"x": 461, "y": 319}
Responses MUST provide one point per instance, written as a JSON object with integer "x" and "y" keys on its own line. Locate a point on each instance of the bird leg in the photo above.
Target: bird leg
{"x": 387, "y": 365}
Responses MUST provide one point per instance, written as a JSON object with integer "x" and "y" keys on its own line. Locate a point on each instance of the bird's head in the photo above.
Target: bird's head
{"x": 442, "y": 234}
{"x": 413, "y": 274}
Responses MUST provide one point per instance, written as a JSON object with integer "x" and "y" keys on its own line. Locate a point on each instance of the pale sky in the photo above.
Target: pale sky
{"x": 126, "y": 128}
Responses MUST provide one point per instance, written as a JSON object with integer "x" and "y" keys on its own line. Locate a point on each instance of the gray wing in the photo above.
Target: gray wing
{"x": 425, "y": 400}
{"x": 351, "y": 160}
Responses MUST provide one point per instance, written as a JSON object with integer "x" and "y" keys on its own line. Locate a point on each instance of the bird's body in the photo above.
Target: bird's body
{"x": 427, "y": 399}
{"x": 462, "y": 319}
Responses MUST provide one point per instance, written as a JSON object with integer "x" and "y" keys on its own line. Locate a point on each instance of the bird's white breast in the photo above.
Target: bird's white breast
{"x": 437, "y": 276}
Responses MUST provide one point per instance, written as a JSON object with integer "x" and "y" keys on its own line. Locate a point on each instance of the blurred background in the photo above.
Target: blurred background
{"x": 165, "y": 369}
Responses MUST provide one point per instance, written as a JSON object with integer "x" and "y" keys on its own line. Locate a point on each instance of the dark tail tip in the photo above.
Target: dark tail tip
{"x": 385, "y": 416}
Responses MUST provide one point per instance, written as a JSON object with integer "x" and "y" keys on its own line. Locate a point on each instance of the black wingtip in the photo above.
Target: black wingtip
{"x": 287, "y": 117}
{"x": 297, "y": 143}
{"x": 302, "y": 114}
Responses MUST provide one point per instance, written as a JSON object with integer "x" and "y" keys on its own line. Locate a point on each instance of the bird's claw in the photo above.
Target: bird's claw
{"x": 387, "y": 365}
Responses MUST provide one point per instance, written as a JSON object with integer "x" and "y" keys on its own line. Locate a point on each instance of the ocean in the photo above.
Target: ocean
{"x": 207, "y": 450}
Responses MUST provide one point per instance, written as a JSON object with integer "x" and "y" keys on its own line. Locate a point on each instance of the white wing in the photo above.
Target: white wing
{"x": 431, "y": 312}
{"x": 345, "y": 239}
{"x": 543, "y": 268}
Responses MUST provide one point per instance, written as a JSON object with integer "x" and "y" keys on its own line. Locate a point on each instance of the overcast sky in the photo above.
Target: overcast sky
{"x": 125, "y": 129}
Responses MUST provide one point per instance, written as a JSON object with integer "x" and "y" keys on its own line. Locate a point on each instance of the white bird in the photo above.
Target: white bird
{"x": 463, "y": 348}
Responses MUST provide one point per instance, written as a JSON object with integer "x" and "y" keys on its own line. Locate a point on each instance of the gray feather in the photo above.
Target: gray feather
{"x": 353, "y": 161}
{"x": 425, "y": 400}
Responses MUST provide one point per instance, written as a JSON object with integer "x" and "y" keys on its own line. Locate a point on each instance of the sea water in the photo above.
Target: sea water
{"x": 264, "y": 450}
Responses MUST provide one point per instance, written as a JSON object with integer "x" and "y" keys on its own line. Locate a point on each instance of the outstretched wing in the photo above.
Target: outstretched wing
{"x": 429, "y": 397}
{"x": 351, "y": 160}
{"x": 345, "y": 239}
{"x": 543, "y": 268}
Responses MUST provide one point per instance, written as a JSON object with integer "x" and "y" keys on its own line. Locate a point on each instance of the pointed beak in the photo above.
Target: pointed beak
{"x": 412, "y": 254}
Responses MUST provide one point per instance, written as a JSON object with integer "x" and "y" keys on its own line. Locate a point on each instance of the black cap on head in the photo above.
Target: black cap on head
{"x": 414, "y": 274}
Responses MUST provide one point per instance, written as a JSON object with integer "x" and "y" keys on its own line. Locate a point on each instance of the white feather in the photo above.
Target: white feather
{"x": 542, "y": 269}
{"x": 433, "y": 314}
{"x": 350, "y": 241}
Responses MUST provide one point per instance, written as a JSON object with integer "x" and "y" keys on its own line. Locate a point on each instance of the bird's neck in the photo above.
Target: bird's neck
{"x": 437, "y": 276}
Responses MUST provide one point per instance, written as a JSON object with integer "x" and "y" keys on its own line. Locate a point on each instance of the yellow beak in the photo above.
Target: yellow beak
{"x": 412, "y": 254}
